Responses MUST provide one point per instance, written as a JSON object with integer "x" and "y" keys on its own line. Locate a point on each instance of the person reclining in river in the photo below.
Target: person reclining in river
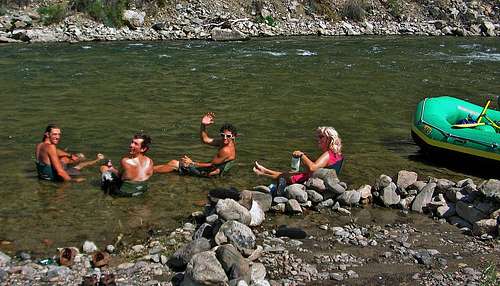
{"x": 54, "y": 164}
{"x": 219, "y": 164}
{"x": 136, "y": 169}
{"x": 330, "y": 144}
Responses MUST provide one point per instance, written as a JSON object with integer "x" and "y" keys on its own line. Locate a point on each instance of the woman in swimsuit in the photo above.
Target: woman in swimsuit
{"x": 330, "y": 144}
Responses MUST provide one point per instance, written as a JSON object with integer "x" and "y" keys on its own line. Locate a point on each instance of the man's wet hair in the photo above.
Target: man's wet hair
{"x": 229, "y": 127}
{"x": 146, "y": 140}
{"x": 48, "y": 129}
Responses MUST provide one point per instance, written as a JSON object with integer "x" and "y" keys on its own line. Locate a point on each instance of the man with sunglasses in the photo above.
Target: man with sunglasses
{"x": 220, "y": 163}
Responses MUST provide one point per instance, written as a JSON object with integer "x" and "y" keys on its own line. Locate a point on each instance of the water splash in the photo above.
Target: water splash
{"x": 305, "y": 53}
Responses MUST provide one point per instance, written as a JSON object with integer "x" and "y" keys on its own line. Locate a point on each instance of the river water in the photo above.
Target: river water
{"x": 276, "y": 91}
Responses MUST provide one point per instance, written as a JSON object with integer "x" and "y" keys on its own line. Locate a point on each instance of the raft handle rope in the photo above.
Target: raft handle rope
{"x": 449, "y": 135}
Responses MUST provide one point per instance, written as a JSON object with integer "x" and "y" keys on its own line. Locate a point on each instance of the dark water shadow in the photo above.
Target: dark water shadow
{"x": 460, "y": 163}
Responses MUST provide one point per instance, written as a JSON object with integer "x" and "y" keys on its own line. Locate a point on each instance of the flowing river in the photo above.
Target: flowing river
{"x": 276, "y": 91}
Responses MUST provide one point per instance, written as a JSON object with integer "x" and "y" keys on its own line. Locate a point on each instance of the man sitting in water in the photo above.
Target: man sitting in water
{"x": 53, "y": 164}
{"x": 136, "y": 168}
{"x": 221, "y": 162}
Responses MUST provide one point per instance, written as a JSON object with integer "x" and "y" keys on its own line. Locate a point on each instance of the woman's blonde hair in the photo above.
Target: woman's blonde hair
{"x": 334, "y": 142}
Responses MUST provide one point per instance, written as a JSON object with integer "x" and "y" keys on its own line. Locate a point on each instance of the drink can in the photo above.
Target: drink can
{"x": 295, "y": 164}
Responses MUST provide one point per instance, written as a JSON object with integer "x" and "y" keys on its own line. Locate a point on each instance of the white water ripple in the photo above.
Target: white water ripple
{"x": 305, "y": 53}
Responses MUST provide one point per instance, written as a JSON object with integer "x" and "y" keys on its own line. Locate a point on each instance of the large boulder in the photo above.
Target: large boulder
{"x": 423, "y": 198}
{"x": 233, "y": 263}
{"x": 257, "y": 214}
{"x": 488, "y": 28}
{"x": 265, "y": 200}
{"x": 388, "y": 194}
{"x": 406, "y": 179}
{"x": 316, "y": 184}
{"x": 204, "y": 269}
{"x": 349, "y": 197}
{"x": 229, "y": 209}
{"x": 134, "y": 19}
{"x": 382, "y": 182}
{"x": 485, "y": 226}
{"x": 314, "y": 196}
{"x": 258, "y": 272}
{"x": 4, "y": 259}
{"x": 297, "y": 192}
{"x": 491, "y": 189}
{"x": 221, "y": 34}
{"x": 237, "y": 234}
{"x": 325, "y": 174}
{"x": 468, "y": 212}
{"x": 183, "y": 255}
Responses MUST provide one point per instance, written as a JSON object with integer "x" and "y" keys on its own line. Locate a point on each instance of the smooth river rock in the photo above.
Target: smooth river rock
{"x": 230, "y": 209}
{"x": 238, "y": 234}
{"x": 204, "y": 269}
{"x": 423, "y": 198}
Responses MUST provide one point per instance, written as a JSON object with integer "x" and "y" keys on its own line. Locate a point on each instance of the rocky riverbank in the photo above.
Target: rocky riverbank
{"x": 333, "y": 234}
{"x": 232, "y": 20}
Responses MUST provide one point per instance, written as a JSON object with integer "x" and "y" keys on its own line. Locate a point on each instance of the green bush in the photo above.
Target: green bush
{"x": 268, "y": 20}
{"x": 395, "y": 8}
{"x": 52, "y": 14}
{"x": 354, "y": 10}
{"x": 109, "y": 12}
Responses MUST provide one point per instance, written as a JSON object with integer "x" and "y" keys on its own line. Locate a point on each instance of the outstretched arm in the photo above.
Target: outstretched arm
{"x": 207, "y": 119}
{"x": 312, "y": 166}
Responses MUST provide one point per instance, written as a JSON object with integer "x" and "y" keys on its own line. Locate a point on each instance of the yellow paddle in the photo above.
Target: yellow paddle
{"x": 467, "y": 125}
{"x": 481, "y": 115}
{"x": 492, "y": 122}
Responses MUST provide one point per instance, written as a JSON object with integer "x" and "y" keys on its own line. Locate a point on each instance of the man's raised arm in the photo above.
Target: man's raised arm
{"x": 207, "y": 119}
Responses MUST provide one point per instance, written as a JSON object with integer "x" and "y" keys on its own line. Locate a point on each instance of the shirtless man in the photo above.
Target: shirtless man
{"x": 52, "y": 163}
{"x": 220, "y": 162}
{"x": 136, "y": 168}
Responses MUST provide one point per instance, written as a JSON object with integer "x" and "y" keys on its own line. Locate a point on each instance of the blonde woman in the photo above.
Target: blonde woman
{"x": 330, "y": 144}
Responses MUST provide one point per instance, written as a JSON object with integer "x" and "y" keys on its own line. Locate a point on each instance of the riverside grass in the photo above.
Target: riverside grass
{"x": 109, "y": 12}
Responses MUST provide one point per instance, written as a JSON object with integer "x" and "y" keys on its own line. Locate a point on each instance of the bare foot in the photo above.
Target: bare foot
{"x": 100, "y": 156}
{"x": 257, "y": 171}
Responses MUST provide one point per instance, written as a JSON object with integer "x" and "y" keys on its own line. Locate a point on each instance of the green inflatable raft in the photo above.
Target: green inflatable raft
{"x": 451, "y": 124}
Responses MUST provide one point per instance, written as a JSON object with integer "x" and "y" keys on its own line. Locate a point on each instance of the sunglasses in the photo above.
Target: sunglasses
{"x": 226, "y": 136}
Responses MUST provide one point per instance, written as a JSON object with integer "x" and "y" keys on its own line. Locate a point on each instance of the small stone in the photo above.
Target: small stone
{"x": 138, "y": 248}
{"x": 336, "y": 276}
{"x": 110, "y": 248}
{"x": 352, "y": 274}
{"x": 89, "y": 247}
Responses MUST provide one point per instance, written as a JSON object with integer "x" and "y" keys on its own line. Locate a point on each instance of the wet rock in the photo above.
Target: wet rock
{"x": 220, "y": 34}
{"x": 388, "y": 194}
{"x": 229, "y": 209}
{"x": 406, "y": 203}
{"x": 326, "y": 175}
{"x": 349, "y": 197}
{"x": 89, "y": 247}
{"x": 405, "y": 179}
{"x": 291, "y": 232}
{"x": 262, "y": 189}
{"x": 491, "y": 189}
{"x": 423, "y": 198}
{"x": 257, "y": 214}
{"x": 488, "y": 28}
{"x": 258, "y": 272}
{"x": 133, "y": 19}
{"x": 485, "y": 226}
{"x": 280, "y": 200}
{"x": 365, "y": 192}
{"x": 382, "y": 182}
{"x": 182, "y": 256}
{"x": 326, "y": 204}
{"x": 316, "y": 184}
{"x": 444, "y": 184}
{"x": 469, "y": 212}
{"x": 446, "y": 211}
{"x": 293, "y": 207}
{"x": 21, "y": 35}
{"x": 233, "y": 263}
{"x": 238, "y": 234}
{"x": 423, "y": 257}
{"x": 314, "y": 196}
{"x": 4, "y": 259}
{"x": 459, "y": 222}
{"x": 297, "y": 192}
{"x": 265, "y": 200}
{"x": 454, "y": 195}
{"x": 204, "y": 269}
{"x": 4, "y": 39}
{"x": 246, "y": 199}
